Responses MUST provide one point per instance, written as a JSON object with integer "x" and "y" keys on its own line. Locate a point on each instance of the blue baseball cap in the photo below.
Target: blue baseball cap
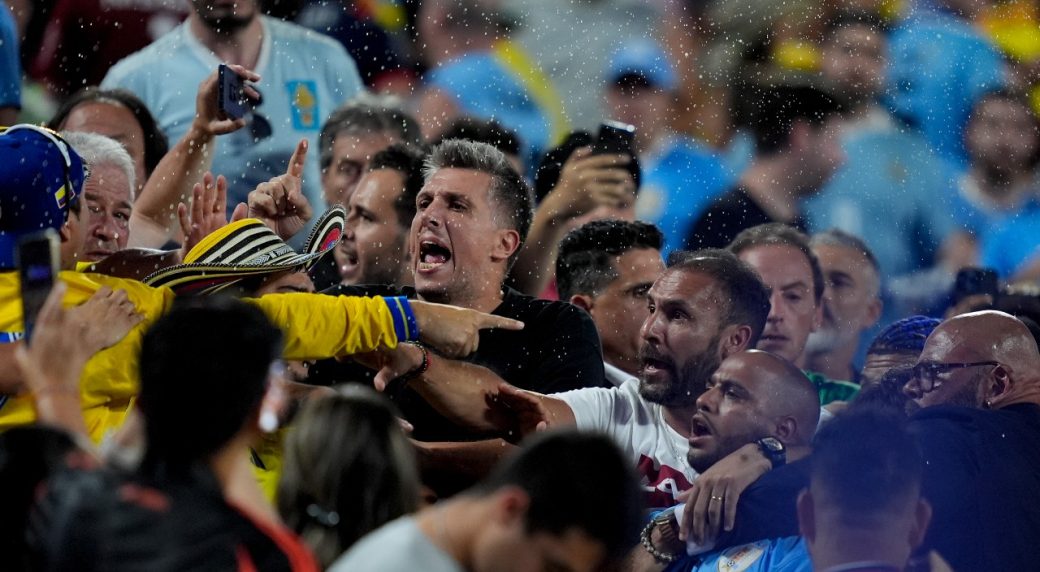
{"x": 643, "y": 58}
{"x": 40, "y": 177}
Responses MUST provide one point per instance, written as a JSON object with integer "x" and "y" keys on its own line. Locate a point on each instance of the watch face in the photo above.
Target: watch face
{"x": 772, "y": 444}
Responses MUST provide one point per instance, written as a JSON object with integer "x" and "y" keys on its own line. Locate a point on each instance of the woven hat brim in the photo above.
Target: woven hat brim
{"x": 203, "y": 278}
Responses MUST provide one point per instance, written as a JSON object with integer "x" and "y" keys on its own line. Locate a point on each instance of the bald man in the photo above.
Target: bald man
{"x": 753, "y": 396}
{"x": 978, "y": 383}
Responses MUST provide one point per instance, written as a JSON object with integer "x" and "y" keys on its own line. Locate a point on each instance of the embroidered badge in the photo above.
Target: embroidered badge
{"x": 740, "y": 558}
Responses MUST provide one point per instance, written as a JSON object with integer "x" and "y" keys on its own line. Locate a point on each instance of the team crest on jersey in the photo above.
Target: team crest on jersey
{"x": 740, "y": 558}
{"x": 303, "y": 104}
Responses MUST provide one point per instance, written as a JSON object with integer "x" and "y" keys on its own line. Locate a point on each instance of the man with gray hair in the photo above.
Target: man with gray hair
{"x": 107, "y": 195}
{"x": 352, "y": 135}
{"x": 473, "y": 213}
{"x": 851, "y": 303}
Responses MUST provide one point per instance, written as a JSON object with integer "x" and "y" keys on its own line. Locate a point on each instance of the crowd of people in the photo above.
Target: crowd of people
{"x": 411, "y": 310}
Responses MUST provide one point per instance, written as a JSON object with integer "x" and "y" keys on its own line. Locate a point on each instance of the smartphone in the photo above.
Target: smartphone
{"x": 615, "y": 138}
{"x": 37, "y": 260}
{"x": 972, "y": 281}
{"x": 231, "y": 94}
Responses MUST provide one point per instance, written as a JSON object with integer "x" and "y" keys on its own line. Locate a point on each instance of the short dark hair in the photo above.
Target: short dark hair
{"x": 483, "y": 130}
{"x": 585, "y": 263}
{"x": 553, "y": 468}
{"x": 746, "y": 297}
{"x": 778, "y": 107}
{"x": 509, "y": 192}
{"x": 408, "y": 161}
{"x": 866, "y": 481}
{"x": 780, "y": 234}
{"x": 181, "y": 426}
{"x": 156, "y": 145}
{"x": 360, "y": 116}
{"x": 551, "y": 165}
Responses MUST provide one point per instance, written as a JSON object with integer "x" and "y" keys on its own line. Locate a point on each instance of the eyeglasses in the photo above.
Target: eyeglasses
{"x": 926, "y": 373}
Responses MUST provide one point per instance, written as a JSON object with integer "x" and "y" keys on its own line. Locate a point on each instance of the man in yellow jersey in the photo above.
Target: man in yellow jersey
{"x": 40, "y": 181}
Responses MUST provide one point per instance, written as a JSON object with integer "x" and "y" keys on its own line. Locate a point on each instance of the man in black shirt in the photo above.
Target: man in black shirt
{"x": 473, "y": 213}
{"x": 978, "y": 383}
{"x": 796, "y": 151}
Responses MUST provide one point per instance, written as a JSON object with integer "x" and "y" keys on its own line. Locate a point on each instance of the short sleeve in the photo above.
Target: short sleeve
{"x": 593, "y": 407}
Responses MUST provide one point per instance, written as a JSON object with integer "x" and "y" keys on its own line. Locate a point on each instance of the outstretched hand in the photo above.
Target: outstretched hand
{"x": 280, "y": 202}
{"x": 207, "y": 213}
{"x": 64, "y": 339}
{"x": 519, "y": 409}
{"x": 455, "y": 332}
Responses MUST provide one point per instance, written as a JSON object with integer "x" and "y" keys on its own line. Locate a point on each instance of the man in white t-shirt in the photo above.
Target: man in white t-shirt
{"x": 706, "y": 306}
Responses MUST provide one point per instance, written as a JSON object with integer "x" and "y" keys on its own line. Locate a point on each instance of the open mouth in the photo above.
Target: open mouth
{"x": 432, "y": 255}
{"x": 699, "y": 428}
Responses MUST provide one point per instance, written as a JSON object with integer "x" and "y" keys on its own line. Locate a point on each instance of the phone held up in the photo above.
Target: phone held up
{"x": 615, "y": 138}
{"x": 37, "y": 261}
{"x": 231, "y": 93}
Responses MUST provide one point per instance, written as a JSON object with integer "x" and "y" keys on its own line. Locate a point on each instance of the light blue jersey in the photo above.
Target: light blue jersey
{"x": 894, "y": 193}
{"x": 778, "y": 555}
{"x": 305, "y": 76}
{"x": 483, "y": 86}
{"x": 938, "y": 67}
{"x": 1012, "y": 246}
{"x": 678, "y": 183}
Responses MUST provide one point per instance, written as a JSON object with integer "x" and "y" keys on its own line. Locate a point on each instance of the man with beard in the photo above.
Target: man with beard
{"x": 706, "y": 306}
{"x": 851, "y": 303}
{"x": 753, "y": 397}
{"x": 472, "y": 217}
{"x": 978, "y": 384}
{"x": 374, "y": 249}
{"x": 303, "y": 75}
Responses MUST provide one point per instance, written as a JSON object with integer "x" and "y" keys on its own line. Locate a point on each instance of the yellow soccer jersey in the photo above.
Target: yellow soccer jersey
{"x": 315, "y": 326}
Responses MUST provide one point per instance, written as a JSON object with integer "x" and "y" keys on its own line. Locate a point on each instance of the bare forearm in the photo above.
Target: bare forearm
{"x": 534, "y": 266}
{"x": 155, "y": 211}
{"x": 460, "y": 391}
{"x": 458, "y": 465}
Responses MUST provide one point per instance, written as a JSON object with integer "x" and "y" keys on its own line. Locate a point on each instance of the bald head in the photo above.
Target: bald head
{"x": 753, "y": 394}
{"x": 788, "y": 392}
{"x": 978, "y": 338}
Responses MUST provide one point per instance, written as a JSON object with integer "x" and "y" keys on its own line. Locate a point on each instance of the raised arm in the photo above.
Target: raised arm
{"x": 154, "y": 220}
{"x": 586, "y": 182}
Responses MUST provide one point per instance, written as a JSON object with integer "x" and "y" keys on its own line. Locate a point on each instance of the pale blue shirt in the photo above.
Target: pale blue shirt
{"x": 305, "y": 76}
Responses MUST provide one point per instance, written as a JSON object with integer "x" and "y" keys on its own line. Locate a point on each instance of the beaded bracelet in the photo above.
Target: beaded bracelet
{"x": 659, "y": 556}
{"x": 425, "y": 365}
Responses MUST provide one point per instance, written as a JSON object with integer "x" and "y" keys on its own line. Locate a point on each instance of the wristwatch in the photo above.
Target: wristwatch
{"x": 773, "y": 450}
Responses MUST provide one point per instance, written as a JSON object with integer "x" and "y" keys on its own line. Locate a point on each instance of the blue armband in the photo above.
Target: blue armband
{"x": 405, "y": 326}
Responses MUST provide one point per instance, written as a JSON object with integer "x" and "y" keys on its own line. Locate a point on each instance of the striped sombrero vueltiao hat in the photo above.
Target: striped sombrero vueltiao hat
{"x": 246, "y": 248}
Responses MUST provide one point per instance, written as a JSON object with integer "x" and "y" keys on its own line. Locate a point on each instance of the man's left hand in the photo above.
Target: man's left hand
{"x": 712, "y": 500}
